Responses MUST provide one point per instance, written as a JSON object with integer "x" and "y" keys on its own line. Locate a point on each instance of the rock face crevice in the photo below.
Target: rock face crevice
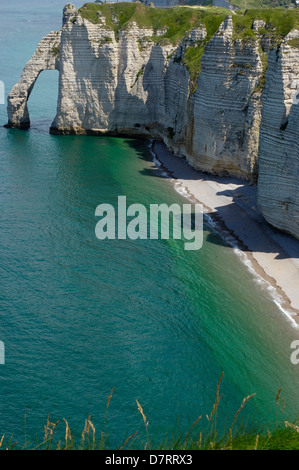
{"x": 131, "y": 84}
{"x": 46, "y": 57}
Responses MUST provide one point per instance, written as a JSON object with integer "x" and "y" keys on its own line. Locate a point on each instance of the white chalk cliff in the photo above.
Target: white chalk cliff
{"x": 46, "y": 57}
{"x": 132, "y": 84}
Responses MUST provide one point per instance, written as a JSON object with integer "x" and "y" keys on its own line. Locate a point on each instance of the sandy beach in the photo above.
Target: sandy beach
{"x": 231, "y": 205}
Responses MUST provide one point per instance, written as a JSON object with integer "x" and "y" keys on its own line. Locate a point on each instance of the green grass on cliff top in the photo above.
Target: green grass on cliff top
{"x": 244, "y": 4}
{"x": 279, "y": 23}
{"x": 176, "y": 20}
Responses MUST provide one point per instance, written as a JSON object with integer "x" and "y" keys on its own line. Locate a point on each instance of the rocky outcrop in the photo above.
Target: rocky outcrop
{"x": 46, "y": 57}
{"x": 225, "y": 113}
{"x": 135, "y": 86}
{"x": 108, "y": 84}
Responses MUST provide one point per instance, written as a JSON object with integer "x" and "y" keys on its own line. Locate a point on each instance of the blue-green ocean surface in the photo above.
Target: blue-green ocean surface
{"x": 80, "y": 316}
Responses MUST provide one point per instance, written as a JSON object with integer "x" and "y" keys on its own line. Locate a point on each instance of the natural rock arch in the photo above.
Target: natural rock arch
{"x": 46, "y": 57}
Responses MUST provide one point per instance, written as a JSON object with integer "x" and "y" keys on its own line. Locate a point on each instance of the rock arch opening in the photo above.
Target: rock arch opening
{"x": 42, "y": 101}
{"x": 46, "y": 57}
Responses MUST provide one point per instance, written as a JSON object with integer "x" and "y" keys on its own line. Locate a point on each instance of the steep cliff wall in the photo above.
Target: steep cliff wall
{"x": 193, "y": 78}
{"x": 136, "y": 82}
{"x": 278, "y": 195}
{"x": 109, "y": 84}
{"x": 225, "y": 112}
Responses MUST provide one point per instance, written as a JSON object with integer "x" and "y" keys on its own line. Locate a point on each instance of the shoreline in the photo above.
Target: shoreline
{"x": 230, "y": 207}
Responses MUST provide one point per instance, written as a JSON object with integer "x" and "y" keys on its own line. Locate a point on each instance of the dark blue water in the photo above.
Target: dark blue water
{"x": 80, "y": 316}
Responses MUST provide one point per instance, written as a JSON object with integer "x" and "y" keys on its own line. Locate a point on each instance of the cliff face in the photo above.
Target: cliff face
{"x": 130, "y": 80}
{"x": 278, "y": 195}
{"x": 108, "y": 84}
{"x": 131, "y": 84}
{"x": 46, "y": 57}
{"x": 225, "y": 112}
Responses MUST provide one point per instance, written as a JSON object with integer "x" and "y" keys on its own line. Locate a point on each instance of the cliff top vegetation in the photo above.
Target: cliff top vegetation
{"x": 179, "y": 20}
{"x": 278, "y": 23}
{"x": 175, "y": 22}
{"x": 244, "y": 4}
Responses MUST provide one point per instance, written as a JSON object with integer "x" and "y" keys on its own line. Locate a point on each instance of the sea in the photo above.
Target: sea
{"x": 144, "y": 321}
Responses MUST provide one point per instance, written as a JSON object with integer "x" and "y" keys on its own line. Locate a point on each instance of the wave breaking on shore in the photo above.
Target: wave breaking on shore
{"x": 219, "y": 226}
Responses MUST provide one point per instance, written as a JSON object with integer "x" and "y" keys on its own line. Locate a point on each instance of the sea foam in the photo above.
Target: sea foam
{"x": 232, "y": 241}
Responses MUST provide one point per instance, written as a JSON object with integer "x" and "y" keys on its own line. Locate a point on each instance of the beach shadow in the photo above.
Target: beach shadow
{"x": 241, "y": 220}
{"x": 240, "y": 223}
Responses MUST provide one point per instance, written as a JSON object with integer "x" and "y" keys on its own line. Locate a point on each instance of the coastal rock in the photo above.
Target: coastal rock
{"x": 225, "y": 112}
{"x": 197, "y": 34}
{"x": 257, "y": 24}
{"x": 126, "y": 81}
{"x": 46, "y": 57}
{"x": 132, "y": 85}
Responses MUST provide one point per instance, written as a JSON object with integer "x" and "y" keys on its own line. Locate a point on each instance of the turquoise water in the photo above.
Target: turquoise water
{"x": 80, "y": 316}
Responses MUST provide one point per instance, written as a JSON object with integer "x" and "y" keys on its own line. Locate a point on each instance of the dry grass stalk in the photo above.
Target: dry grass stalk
{"x": 217, "y": 399}
{"x": 277, "y": 396}
{"x": 127, "y": 440}
{"x": 67, "y": 432}
{"x": 245, "y": 400}
{"x": 293, "y": 426}
{"x": 109, "y": 398}
{"x": 49, "y": 429}
{"x": 93, "y": 431}
{"x": 199, "y": 442}
{"x": 140, "y": 409}
{"x": 88, "y": 425}
{"x": 107, "y": 407}
{"x": 193, "y": 425}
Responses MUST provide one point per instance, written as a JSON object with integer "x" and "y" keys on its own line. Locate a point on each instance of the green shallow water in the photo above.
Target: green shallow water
{"x": 80, "y": 316}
